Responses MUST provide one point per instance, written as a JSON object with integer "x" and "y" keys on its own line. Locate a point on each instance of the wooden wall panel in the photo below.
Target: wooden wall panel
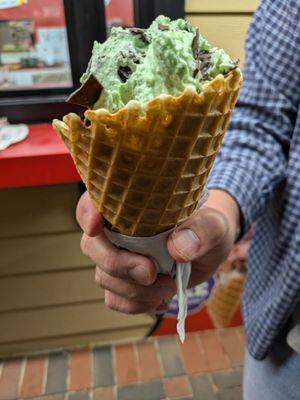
{"x": 230, "y": 33}
{"x": 221, "y": 6}
{"x": 39, "y": 346}
{"x": 66, "y": 320}
{"x": 36, "y": 254}
{"x": 48, "y": 289}
{"x": 48, "y": 296}
{"x": 38, "y": 209}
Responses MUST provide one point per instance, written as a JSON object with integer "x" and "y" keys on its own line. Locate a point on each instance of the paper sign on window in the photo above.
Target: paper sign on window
{"x": 11, "y": 3}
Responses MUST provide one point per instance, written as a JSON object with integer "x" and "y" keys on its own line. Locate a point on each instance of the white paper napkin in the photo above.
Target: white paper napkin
{"x": 155, "y": 247}
{"x": 10, "y": 134}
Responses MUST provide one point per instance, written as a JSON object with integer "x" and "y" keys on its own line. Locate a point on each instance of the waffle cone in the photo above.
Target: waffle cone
{"x": 146, "y": 166}
{"x": 225, "y": 300}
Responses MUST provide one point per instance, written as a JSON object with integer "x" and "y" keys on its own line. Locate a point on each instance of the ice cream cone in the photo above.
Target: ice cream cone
{"x": 146, "y": 166}
{"x": 225, "y": 299}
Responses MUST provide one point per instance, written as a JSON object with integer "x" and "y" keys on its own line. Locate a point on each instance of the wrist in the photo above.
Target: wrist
{"x": 227, "y": 205}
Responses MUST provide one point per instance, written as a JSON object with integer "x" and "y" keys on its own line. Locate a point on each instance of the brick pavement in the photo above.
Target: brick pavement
{"x": 207, "y": 367}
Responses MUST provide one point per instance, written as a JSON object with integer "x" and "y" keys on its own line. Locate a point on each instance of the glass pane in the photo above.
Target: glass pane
{"x": 119, "y": 13}
{"x": 34, "y": 50}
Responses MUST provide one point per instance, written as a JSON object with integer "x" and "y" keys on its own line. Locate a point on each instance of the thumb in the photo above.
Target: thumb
{"x": 200, "y": 233}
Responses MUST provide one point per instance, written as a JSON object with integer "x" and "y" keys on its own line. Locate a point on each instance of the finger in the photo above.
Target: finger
{"x": 163, "y": 306}
{"x": 88, "y": 217}
{"x": 202, "y": 232}
{"x": 116, "y": 262}
{"x": 118, "y": 303}
{"x": 163, "y": 289}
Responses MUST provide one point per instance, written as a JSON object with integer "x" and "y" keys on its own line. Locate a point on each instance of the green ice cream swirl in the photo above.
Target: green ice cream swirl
{"x": 143, "y": 64}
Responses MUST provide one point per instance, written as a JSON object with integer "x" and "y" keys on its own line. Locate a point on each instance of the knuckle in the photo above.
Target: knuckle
{"x": 121, "y": 305}
{"x": 110, "y": 301}
{"x": 104, "y": 280}
{"x": 99, "y": 278}
{"x": 139, "y": 308}
{"x": 84, "y": 244}
{"x": 110, "y": 262}
{"x": 134, "y": 295}
{"x": 116, "y": 305}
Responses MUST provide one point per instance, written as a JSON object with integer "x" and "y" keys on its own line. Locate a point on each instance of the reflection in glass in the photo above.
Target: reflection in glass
{"x": 33, "y": 46}
{"x": 119, "y": 13}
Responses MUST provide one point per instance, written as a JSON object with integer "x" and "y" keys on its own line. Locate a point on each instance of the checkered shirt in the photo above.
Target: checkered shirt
{"x": 259, "y": 165}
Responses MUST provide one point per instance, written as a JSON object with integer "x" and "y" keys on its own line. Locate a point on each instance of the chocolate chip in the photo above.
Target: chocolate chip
{"x": 195, "y": 73}
{"x": 88, "y": 93}
{"x": 133, "y": 56}
{"x": 162, "y": 27}
{"x": 145, "y": 39}
{"x": 195, "y": 44}
{"x": 204, "y": 56}
{"x": 205, "y": 67}
{"x": 124, "y": 73}
{"x": 137, "y": 31}
{"x": 140, "y": 31}
{"x": 235, "y": 62}
{"x": 231, "y": 69}
{"x": 204, "y": 63}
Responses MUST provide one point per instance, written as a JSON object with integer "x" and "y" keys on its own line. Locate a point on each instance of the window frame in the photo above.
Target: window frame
{"x": 145, "y": 11}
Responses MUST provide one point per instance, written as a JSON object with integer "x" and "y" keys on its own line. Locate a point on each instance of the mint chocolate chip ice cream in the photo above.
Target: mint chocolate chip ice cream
{"x": 138, "y": 64}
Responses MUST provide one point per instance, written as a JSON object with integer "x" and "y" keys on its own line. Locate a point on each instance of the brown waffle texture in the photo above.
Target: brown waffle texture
{"x": 225, "y": 299}
{"x": 146, "y": 166}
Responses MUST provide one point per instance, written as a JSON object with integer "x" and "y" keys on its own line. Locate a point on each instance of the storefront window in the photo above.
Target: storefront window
{"x": 45, "y": 47}
{"x": 34, "y": 50}
{"x": 119, "y": 13}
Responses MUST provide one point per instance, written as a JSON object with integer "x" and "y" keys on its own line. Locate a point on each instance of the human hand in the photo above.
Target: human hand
{"x": 206, "y": 238}
{"x": 130, "y": 281}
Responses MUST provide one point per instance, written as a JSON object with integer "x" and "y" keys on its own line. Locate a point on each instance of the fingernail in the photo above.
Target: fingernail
{"x": 187, "y": 243}
{"x": 139, "y": 274}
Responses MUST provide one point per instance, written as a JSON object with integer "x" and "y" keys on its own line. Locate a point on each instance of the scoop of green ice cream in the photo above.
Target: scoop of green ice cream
{"x": 166, "y": 58}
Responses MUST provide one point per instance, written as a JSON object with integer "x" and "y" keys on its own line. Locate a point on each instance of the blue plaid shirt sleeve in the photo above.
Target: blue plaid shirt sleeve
{"x": 254, "y": 154}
